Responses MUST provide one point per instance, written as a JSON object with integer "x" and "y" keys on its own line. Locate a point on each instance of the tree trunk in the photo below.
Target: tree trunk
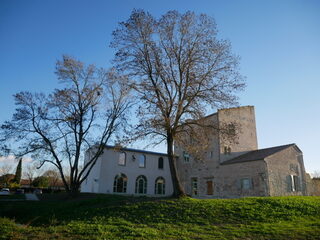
{"x": 74, "y": 190}
{"x": 178, "y": 191}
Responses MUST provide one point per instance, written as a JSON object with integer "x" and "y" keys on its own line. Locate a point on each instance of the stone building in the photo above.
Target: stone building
{"x": 237, "y": 169}
{"x": 226, "y": 169}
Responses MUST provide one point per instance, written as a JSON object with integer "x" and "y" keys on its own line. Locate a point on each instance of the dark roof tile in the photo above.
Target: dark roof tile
{"x": 256, "y": 154}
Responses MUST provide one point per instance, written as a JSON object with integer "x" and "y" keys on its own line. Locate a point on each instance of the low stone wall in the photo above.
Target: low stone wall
{"x": 315, "y": 187}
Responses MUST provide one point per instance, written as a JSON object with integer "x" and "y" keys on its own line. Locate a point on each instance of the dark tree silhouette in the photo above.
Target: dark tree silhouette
{"x": 58, "y": 128}
{"x": 17, "y": 176}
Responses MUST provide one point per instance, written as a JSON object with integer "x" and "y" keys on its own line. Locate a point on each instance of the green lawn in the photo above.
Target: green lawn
{"x": 117, "y": 217}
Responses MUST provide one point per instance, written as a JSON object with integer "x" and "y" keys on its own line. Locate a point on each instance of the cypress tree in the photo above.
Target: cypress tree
{"x": 17, "y": 177}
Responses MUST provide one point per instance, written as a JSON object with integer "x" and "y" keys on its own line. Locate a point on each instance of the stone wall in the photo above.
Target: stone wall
{"x": 200, "y": 168}
{"x": 244, "y": 118}
{"x": 225, "y": 179}
{"x": 281, "y": 166}
{"x": 313, "y": 186}
{"x": 228, "y": 181}
{"x": 316, "y": 186}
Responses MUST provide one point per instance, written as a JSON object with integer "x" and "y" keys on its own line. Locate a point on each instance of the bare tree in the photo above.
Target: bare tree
{"x": 6, "y": 174}
{"x": 58, "y": 128}
{"x": 31, "y": 171}
{"x": 316, "y": 174}
{"x": 179, "y": 70}
{"x": 6, "y": 168}
{"x": 53, "y": 176}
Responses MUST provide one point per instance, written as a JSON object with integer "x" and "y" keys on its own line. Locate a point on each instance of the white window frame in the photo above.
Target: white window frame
{"x": 162, "y": 182}
{"x": 122, "y": 162}
{"x": 144, "y": 181}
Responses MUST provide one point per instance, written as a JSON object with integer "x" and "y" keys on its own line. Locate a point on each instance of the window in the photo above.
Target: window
{"x": 294, "y": 183}
{"x": 186, "y": 157}
{"x": 159, "y": 188}
{"x": 194, "y": 186}
{"x": 122, "y": 159}
{"x": 141, "y": 185}
{"x": 246, "y": 183}
{"x": 209, "y": 188}
{"x": 160, "y": 163}
{"x": 120, "y": 183}
{"x": 297, "y": 185}
{"x": 227, "y": 150}
{"x": 142, "y": 161}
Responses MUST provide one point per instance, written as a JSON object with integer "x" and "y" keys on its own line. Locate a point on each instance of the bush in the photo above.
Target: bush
{"x": 41, "y": 182}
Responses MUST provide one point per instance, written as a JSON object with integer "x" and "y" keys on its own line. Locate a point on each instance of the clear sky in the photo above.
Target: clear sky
{"x": 278, "y": 42}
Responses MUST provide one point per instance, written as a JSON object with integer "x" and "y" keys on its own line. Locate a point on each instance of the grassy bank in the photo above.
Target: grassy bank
{"x": 117, "y": 217}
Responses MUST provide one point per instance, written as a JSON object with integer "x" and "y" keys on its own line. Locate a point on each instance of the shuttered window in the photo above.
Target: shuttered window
{"x": 294, "y": 183}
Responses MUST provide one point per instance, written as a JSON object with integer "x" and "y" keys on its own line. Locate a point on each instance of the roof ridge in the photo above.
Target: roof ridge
{"x": 258, "y": 154}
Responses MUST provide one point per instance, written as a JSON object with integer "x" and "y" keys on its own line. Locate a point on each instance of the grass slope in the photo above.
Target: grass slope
{"x": 118, "y": 217}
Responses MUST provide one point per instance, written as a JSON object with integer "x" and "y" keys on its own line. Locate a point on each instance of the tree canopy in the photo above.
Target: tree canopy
{"x": 180, "y": 71}
{"x": 58, "y": 128}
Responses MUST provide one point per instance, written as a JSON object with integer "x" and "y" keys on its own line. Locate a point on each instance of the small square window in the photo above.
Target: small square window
{"x": 246, "y": 184}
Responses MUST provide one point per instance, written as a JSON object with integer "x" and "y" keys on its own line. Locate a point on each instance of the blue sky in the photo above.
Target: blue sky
{"x": 278, "y": 42}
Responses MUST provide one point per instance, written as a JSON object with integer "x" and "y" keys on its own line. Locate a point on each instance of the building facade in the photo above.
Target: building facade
{"x": 226, "y": 169}
{"x": 239, "y": 168}
{"x": 130, "y": 171}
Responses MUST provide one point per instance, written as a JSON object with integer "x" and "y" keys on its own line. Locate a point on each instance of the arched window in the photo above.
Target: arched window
{"x": 122, "y": 158}
{"x": 142, "y": 161}
{"x": 159, "y": 186}
{"x": 120, "y": 183}
{"x": 141, "y": 185}
{"x": 160, "y": 163}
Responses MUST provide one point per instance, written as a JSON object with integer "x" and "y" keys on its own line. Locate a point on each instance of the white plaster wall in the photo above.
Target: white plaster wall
{"x": 91, "y": 184}
{"x": 107, "y": 168}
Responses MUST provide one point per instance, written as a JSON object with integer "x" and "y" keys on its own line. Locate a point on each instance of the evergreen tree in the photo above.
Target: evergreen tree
{"x": 17, "y": 177}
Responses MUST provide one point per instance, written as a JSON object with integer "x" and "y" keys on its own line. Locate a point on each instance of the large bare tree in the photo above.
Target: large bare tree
{"x": 179, "y": 69}
{"x": 58, "y": 128}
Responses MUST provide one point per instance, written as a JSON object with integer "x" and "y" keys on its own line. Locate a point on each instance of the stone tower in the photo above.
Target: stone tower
{"x": 246, "y": 139}
{"x": 219, "y": 150}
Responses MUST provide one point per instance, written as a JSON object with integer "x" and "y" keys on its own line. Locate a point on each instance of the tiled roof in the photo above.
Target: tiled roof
{"x": 256, "y": 154}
